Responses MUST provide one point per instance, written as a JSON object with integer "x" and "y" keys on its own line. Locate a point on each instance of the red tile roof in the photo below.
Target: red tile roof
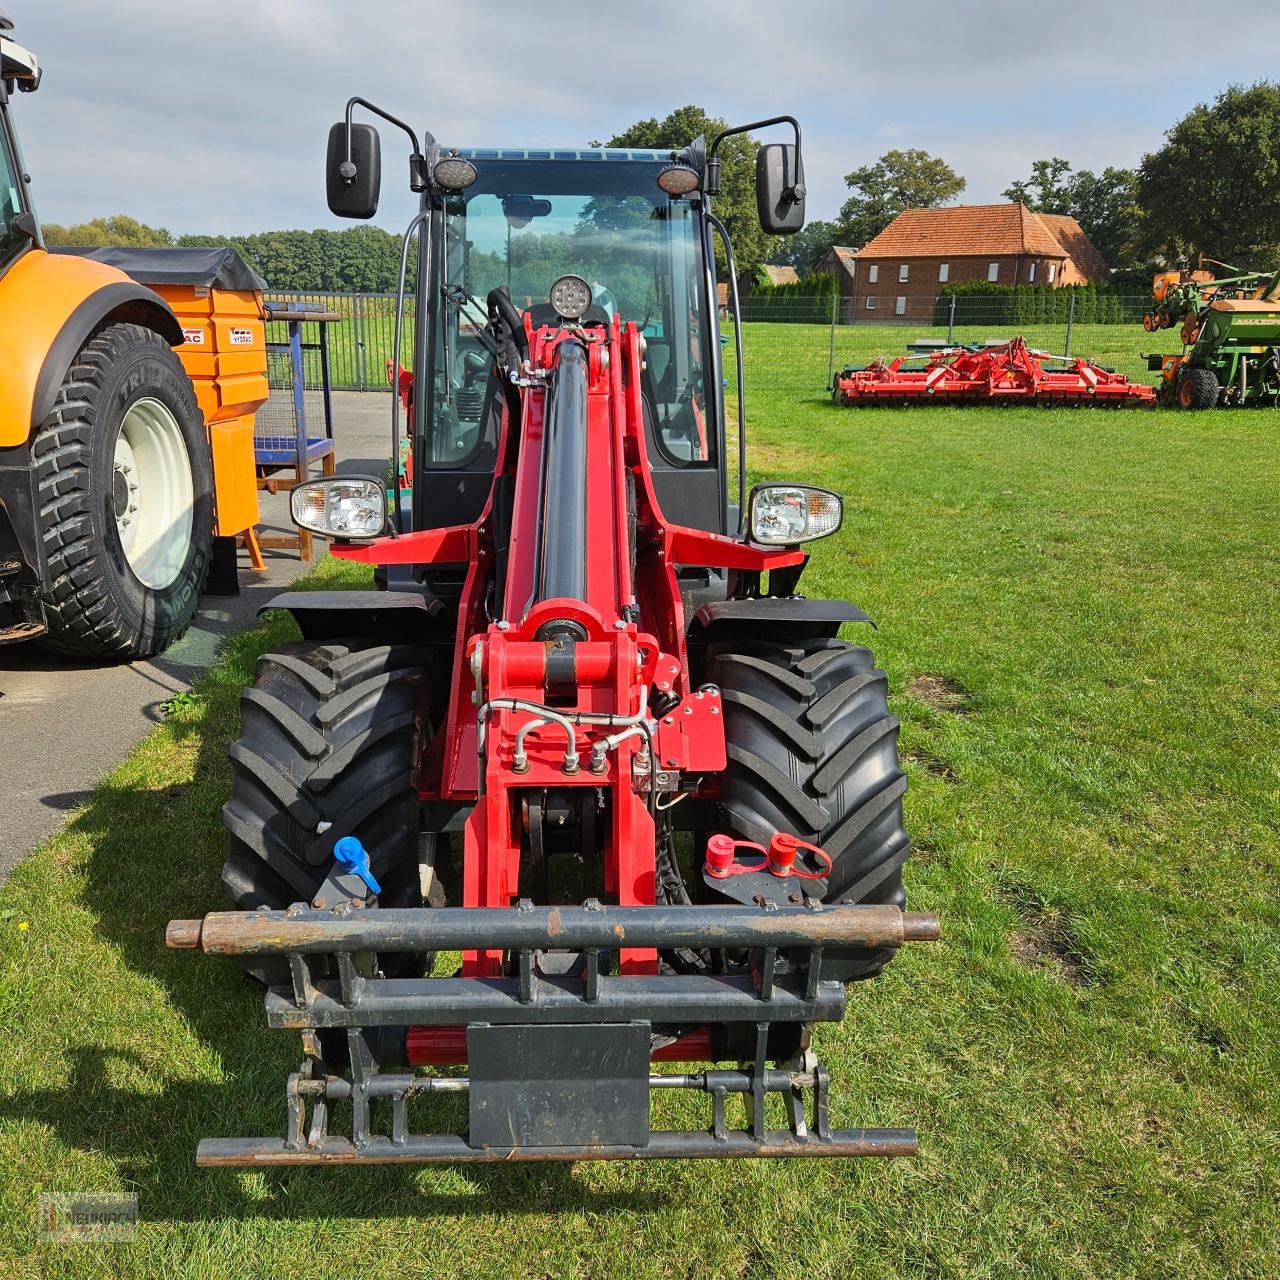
{"x": 967, "y": 230}
{"x": 1081, "y": 250}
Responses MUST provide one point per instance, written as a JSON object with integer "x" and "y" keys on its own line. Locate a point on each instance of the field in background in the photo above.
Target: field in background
{"x": 781, "y": 356}
{"x": 1092, "y": 1056}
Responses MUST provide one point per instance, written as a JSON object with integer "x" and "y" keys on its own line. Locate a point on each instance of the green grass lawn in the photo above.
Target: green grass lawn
{"x": 1091, "y": 1056}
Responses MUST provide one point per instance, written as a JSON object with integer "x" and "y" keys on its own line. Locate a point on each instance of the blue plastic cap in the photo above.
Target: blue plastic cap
{"x": 352, "y": 856}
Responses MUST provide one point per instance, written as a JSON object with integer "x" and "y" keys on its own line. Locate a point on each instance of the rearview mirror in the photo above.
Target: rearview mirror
{"x": 779, "y": 189}
{"x": 353, "y": 187}
{"x": 521, "y": 210}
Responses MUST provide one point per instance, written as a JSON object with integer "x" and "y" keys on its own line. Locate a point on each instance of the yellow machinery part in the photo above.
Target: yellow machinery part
{"x": 224, "y": 355}
{"x": 37, "y": 296}
{"x": 234, "y": 476}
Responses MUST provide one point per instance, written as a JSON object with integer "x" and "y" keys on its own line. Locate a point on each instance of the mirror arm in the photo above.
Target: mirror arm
{"x": 417, "y": 161}
{"x": 793, "y": 194}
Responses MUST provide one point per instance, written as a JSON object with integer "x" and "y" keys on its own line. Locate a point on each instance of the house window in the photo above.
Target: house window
{"x": 900, "y": 307}
{"x": 944, "y": 272}
{"x": 1031, "y": 272}
{"x": 1053, "y": 271}
{"x": 873, "y": 273}
{"x": 903, "y": 272}
{"x": 871, "y": 303}
{"x": 993, "y": 271}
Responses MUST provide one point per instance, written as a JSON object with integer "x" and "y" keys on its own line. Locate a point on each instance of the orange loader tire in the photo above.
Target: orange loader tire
{"x": 126, "y": 498}
{"x": 1148, "y": 321}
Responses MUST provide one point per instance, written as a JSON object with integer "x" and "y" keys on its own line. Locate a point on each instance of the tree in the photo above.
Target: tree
{"x": 1047, "y": 190}
{"x": 119, "y": 229}
{"x": 736, "y": 203}
{"x": 898, "y": 180}
{"x": 806, "y": 248}
{"x": 1105, "y": 205}
{"x": 1214, "y": 186}
{"x": 1107, "y": 209}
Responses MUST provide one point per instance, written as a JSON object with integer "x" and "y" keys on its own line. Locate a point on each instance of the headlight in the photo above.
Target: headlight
{"x": 454, "y": 174}
{"x": 341, "y": 507}
{"x": 571, "y": 296}
{"x": 678, "y": 179}
{"x": 783, "y": 514}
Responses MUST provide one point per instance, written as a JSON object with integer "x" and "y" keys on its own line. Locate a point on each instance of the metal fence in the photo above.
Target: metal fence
{"x": 360, "y": 343}
{"x": 799, "y": 344}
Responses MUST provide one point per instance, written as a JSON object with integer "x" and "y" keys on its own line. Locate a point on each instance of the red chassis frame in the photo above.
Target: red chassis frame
{"x": 500, "y": 663}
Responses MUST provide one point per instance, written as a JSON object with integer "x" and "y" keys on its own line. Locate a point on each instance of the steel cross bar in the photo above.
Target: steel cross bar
{"x": 605, "y": 928}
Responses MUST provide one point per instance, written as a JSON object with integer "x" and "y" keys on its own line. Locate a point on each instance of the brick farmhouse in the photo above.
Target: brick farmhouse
{"x": 899, "y": 274}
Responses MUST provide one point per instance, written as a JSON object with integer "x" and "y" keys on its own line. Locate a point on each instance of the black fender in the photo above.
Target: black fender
{"x": 773, "y": 616}
{"x": 391, "y": 617}
{"x": 125, "y": 302}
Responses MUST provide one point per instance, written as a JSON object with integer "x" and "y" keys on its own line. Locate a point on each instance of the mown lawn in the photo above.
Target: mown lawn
{"x": 1091, "y": 1056}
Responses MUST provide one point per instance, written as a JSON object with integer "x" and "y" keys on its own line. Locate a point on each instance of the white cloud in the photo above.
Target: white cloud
{"x": 214, "y": 117}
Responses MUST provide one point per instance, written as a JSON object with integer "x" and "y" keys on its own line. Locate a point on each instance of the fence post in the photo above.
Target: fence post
{"x": 951, "y": 321}
{"x": 357, "y": 325}
{"x": 1071, "y": 319}
{"x": 831, "y": 350}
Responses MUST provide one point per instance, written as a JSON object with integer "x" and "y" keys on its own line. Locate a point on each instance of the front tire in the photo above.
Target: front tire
{"x": 126, "y": 498}
{"x": 328, "y": 748}
{"x": 813, "y": 752}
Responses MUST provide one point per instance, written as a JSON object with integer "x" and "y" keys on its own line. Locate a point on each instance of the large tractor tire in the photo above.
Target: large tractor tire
{"x": 1198, "y": 389}
{"x": 126, "y": 498}
{"x": 328, "y": 748}
{"x": 813, "y": 751}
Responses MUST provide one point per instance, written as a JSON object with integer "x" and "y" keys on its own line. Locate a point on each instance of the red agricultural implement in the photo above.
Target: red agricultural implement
{"x": 588, "y": 707}
{"x": 1010, "y": 372}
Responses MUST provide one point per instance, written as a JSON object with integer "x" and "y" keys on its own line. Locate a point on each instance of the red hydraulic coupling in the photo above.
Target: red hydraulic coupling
{"x": 779, "y": 859}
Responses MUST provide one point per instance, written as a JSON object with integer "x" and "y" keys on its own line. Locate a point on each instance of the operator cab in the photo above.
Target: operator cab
{"x": 527, "y": 221}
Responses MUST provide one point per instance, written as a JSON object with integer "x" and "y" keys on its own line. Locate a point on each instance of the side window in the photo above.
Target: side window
{"x": 904, "y": 273}
{"x": 873, "y": 273}
{"x": 993, "y": 271}
{"x": 12, "y": 241}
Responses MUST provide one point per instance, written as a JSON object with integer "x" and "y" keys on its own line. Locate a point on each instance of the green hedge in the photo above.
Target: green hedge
{"x": 804, "y": 301}
{"x": 981, "y": 302}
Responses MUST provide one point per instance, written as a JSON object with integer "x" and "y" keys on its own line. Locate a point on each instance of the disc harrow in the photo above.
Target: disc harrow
{"x": 1007, "y": 372}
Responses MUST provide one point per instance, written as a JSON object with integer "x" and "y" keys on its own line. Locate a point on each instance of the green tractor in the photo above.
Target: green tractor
{"x": 1231, "y": 355}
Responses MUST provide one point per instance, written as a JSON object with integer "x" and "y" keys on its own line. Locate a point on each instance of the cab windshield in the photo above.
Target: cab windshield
{"x": 525, "y": 223}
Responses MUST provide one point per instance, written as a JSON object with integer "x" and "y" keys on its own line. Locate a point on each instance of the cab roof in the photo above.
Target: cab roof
{"x": 16, "y": 63}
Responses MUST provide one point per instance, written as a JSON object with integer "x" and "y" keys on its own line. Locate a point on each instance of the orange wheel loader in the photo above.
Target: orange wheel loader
{"x": 108, "y": 509}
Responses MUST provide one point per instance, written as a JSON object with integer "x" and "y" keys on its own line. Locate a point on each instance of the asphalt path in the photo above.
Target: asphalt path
{"x": 64, "y": 723}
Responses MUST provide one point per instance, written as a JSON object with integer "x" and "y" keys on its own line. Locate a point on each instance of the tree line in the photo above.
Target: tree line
{"x": 1212, "y": 188}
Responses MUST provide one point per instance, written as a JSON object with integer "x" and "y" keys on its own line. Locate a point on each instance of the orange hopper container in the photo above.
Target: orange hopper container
{"x": 217, "y": 299}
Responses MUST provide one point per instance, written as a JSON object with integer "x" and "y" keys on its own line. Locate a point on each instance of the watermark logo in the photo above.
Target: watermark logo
{"x": 88, "y": 1216}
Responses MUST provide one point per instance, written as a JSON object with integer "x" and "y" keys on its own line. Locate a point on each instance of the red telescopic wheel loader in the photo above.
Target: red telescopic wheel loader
{"x": 587, "y": 732}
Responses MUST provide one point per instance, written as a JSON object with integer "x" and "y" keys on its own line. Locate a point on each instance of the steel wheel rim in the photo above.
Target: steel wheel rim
{"x": 152, "y": 495}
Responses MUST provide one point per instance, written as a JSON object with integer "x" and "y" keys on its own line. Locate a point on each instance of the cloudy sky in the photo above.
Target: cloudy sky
{"x": 213, "y": 116}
